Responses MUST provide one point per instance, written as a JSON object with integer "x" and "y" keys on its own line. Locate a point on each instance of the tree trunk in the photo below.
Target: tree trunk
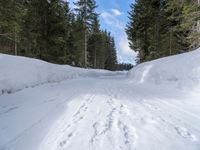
{"x": 95, "y": 58}
{"x": 15, "y": 44}
{"x": 170, "y": 42}
{"x": 198, "y": 26}
{"x": 85, "y": 48}
{"x": 85, "y": 38}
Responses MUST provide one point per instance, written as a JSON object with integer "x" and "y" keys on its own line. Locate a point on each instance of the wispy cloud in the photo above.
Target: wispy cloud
{"x": 110, "y": 17}
{"x": 124, "y": 47}
{"x": 116, "y": 12}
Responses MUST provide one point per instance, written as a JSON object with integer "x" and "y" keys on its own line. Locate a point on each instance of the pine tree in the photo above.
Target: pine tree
{"x": 78, "y": 41}
{"x": 58, "y": 24}
{"x": 94, "y": 42}
{"x": 49, "y": 30}
{"x": 191, "y": 22}
{"x": 176, "y": 35}
{"x": 138, "y": 28}
{"x": 35, "y": 28}
{"x": 159, "y": 28}
{"x": 11, "y": 13}
{"x": 111, "y": 58}
{"x": 86, "y": 11}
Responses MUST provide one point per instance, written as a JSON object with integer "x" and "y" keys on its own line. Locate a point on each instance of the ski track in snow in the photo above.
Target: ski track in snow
{"x": 108, "y": 116}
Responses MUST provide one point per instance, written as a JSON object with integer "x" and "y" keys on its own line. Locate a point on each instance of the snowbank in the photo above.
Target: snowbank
{"x": 180, "y": 70}
{"x": 17, "y": 73}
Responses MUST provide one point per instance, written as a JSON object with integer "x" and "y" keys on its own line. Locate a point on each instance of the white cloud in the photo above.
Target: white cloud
{"x": 116, "y": 12}
{"x": 124, "y": 46}
{"x": 125, "y": 50}
{"x": 111, "y": 19}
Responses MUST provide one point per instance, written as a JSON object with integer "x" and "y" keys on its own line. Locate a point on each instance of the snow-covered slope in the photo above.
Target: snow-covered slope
{"x": 182, "y": 71}
{"x": 145, "y": 111}
{"x": 17, "y": 73}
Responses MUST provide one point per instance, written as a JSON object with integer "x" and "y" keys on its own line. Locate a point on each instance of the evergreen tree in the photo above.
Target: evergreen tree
{"x": 111, "y": 59}
{"x": 138, "y": 27}
{"x": 58, "y": 22}
{"x": 94, "y": 43}
{"x": 176, "y": 35}
{"x": 78, "y": 42}
{"x": 11, "y": 14}
{"x": 191, "y": 22}
{"x": 159, "y": 28}
{"x": 49, "y": 30}
{"x": 86, "y": 11}
{"x": 35, "y": 28}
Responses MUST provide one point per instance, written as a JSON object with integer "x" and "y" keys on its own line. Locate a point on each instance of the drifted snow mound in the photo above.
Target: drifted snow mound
{"x": 182, "y": 70}
{"x": 17, "y": 73}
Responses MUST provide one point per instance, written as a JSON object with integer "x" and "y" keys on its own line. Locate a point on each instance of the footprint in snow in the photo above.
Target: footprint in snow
{"x": 185, "y": 133}
{"x": 64, "y": 142}
{"x": 61, "y": 144}
{"x": 129, "y": 136}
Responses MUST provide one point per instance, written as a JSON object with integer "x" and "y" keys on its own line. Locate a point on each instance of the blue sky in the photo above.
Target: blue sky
{"x": 113, "y": 17}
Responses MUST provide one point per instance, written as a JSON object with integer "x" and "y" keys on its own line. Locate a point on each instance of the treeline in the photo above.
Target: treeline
{"x": 124, "y": 66}
{"x": 51, "y": 31}
{"x": 159, "y": 28}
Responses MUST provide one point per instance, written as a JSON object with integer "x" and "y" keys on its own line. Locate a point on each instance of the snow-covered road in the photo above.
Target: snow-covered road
{"x": 104, "y": 113}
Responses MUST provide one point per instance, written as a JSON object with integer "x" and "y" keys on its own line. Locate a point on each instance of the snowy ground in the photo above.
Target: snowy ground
{"x": 105, "y": 113}
{"x": 18, "y": 73}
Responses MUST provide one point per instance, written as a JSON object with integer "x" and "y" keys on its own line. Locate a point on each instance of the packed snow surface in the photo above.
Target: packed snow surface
{"x": 155, "y": 107}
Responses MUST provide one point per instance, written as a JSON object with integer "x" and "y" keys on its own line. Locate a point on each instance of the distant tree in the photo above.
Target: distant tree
{"x": 124, "y": 66}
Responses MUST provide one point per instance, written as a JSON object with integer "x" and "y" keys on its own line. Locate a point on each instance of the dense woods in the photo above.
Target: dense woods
{"x": 159, "y": 28}
{"x": 50, "y": 30}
